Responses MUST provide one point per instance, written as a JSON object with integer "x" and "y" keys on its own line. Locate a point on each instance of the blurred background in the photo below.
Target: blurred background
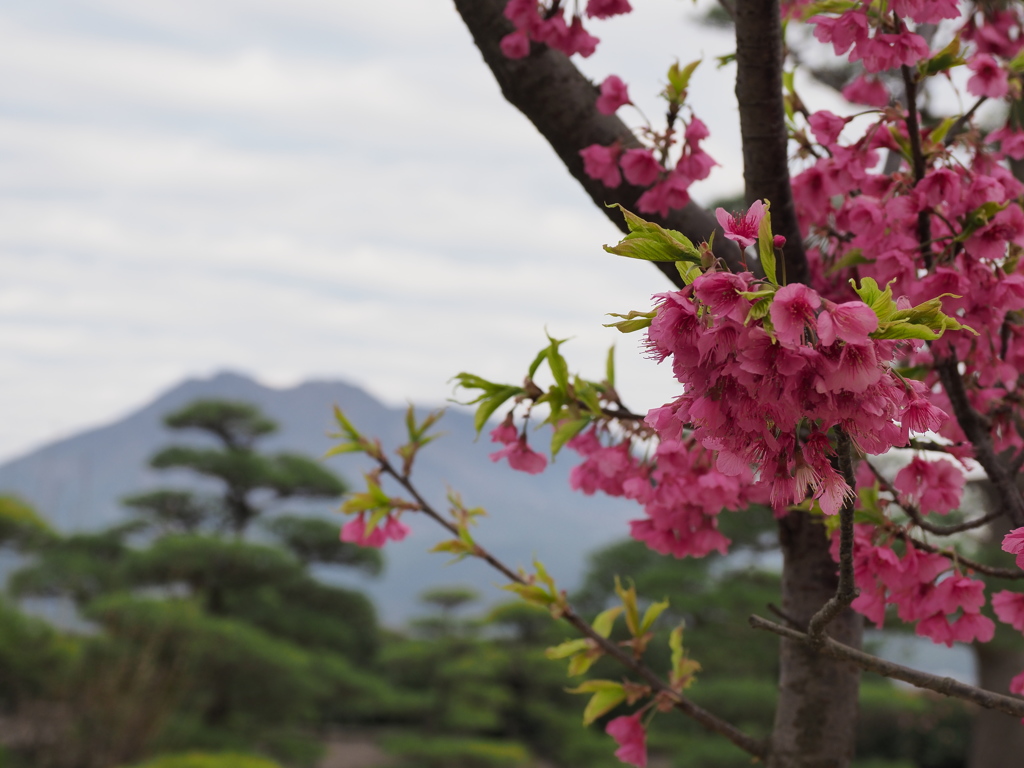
{"x": 263, "y": 209}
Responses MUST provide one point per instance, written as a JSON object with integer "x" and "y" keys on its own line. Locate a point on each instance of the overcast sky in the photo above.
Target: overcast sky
{"x": 296, "y": 189}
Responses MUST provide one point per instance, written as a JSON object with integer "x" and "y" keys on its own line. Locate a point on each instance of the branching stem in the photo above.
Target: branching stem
{"x": 944, "y": 685}
{"x": 712, "y": 722}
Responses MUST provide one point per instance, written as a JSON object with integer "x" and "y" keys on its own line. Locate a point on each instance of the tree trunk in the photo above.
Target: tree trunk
{"x": 561, "y": 103}
{"x": 997, "y": 740}
{"x": 816, "y": 713}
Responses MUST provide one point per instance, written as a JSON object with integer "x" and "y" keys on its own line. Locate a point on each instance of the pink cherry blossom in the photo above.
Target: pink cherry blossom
{"x": 505, "y": 432}
{"x": 1009, "y": 608}
{"x": 629, "y": 732}
{"x": 850, "y": 321}
{"x": 602, "y": 163}
{"x": 867, "y": 91}
{"x": 934, "y": 486}
{"x": 614, "y": 94}
{"x": 826, "y": 126}
{"x": 1017, "y": 684}
{"x": 742, "y": 228}
{"x": 640, "y": 167}
{"x": 792, "y": 310}
{"x": 989, "y": 78}
{"x": 520, "y": 456}
{"x": 516, "y": 45}
{"x": 602, "y": 9}
{"x": 1013, "y": 542}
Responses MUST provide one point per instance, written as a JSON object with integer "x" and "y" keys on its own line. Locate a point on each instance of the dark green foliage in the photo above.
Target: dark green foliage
{"x": 314, "y": 540}
{"x": 171, "y": 511}
{"x": 311, "y": 614}
{"x": 922, "y": 729}
{"x": 236, "y": 424}
{"x": 454, "y": 752}
{"x": 209, "y": 760}
{"x": 81, "y": 566}
{"x": 21, "y": 526}
{"x": 34, "y": 657}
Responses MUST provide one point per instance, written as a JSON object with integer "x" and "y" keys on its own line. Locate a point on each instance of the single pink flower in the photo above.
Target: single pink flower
{"x": 505, "y": 432}
{"x": 614, "y": 94}
{"x": 602, "y": 163}
{"x": 867, "y": 91}
{"x": 1009, "y": 608}
{"x": 850, "y": 321}
{"x": 792, "y": 310}
{"x": 516, "y": 45}
{"x": 640, "y": 167}
{"x": 354, "y": 532}
{"x": 1017, "y": 684}
{"x": 632, "y": 738}
{"x": 1013, "y": 542}
{"x": 602, "y": 9}
{"x": 826, "y": 127}
{"x": 520, "y": 456}
{"x": 742, "y": 228}
{"x": 989, "y": 78}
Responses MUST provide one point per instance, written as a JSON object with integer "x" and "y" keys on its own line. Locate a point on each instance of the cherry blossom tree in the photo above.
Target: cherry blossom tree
{"x": 868, "y": 297}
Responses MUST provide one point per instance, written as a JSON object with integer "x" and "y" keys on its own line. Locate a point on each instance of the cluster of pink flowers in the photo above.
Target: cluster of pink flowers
{"x": 766, "y": 393}
{"x": 537, "y": 21}
{"x": 391, "y": 528}
{"x": 922, "y": 585}
{"x": 680, "y": 489}
{"x": 668, "y": 189}
{"x": 519, "y": 454}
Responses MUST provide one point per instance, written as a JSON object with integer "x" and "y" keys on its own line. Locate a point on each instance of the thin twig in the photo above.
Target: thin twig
{"x": 944, "y": 685}
{"x": 752, "y": 746}
{"x": 915, "y": 514}
{"x": 975, "y": 428}
{"x": 956, "y": 557}
{"x": 924, "y": 224}
{"x": 846, "y": 590}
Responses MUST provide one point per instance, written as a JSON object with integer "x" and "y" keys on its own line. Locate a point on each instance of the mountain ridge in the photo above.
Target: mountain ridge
{"x": 77, "y": 483}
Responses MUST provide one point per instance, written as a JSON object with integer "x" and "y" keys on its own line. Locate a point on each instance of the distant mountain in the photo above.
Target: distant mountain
{"x": 78, "y": 482}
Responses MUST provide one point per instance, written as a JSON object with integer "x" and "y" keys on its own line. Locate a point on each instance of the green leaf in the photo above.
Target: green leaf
{"x": 679, "y": 80}
{"x": 531, "y": 593}
{"x": 675, "y": 644}
{"x": 541, "y": 356}
{"x": 634, "y": 321}
{"x": 654, "y": 610}
{"x": 944, "y": 60}
{"x": 557, "y": 364}
{"x": 580, "y": 663}
{"x": 766, "y": 246}
{"x": 649, "y": 242}
{"x": 687, "y": 271}
{"x": 880, "y": 301}
{"x": 492, "y": 403}
{"x": 567, "y": 649}
{"x": 606, "y": 620}
{"x": 607, "y": 695}
{"x": 940, "y": 131}
{"x": 609, "y": 367}
{"x": 628, "y": 597}
{"x": 851, "y": 258}
{"x": 566, "y": 431}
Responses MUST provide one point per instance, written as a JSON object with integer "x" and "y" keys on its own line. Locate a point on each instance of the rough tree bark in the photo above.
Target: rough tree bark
{"x": 559, "y": 100}
{"x": 816, "y": 714}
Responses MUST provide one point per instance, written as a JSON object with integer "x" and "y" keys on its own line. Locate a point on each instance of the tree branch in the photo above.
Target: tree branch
{"x": 846, "y": 590}
{"x": 915, "y": 514}
{"x": 763, "y": 124}
{"x": 976, "y": 430}
{"x": 956, "y": 557}
{"x": 710, "y": 721}
{"x": 944, "y": 685}
{"x": 560, "y": 102}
